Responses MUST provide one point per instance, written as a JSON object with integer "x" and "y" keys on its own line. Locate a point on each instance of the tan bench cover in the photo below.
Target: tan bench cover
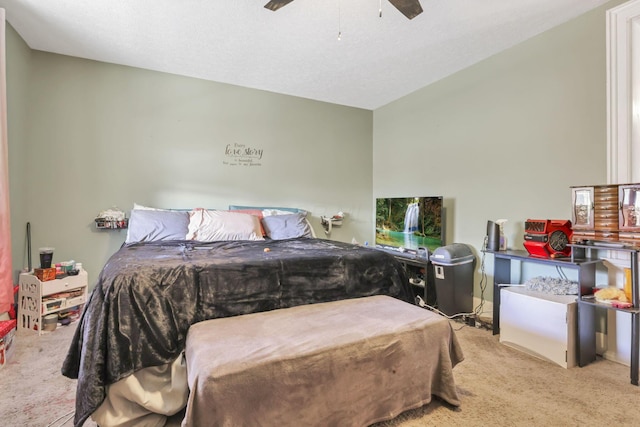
{"x": 345, "y": 363}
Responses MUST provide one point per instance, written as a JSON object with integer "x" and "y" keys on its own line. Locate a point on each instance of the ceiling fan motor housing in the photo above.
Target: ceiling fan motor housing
{"x": 409, "y": 8}
{"x": 547, "y": 238}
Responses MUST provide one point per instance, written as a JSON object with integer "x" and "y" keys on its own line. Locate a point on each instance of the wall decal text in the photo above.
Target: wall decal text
{"x": 241, "y": 155}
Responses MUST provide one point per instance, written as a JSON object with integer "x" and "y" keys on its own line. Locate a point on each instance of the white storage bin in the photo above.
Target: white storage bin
{"x": 540, "y": 324}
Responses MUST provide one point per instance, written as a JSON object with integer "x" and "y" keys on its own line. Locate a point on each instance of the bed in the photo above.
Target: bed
{"x": 180, "y": 268}
{"x": 162, "y": 281}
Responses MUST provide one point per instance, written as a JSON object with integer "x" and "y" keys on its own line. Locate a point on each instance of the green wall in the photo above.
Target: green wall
{"x": 18, "y": 56}
{"x": 99, "y": 135}
{"x": 505, "y": 138}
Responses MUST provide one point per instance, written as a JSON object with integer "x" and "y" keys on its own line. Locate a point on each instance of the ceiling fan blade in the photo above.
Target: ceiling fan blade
{"x": 277, "y": 4}
{"x": 409, "y": 8}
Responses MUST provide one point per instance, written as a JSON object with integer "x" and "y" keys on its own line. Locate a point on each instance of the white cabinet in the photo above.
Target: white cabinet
{"x": 36, "y": 299}
{"x": 540, "y": 324}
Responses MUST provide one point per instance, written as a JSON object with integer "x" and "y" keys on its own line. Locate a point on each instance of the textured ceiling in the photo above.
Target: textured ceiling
{"x": 293, "y": 51}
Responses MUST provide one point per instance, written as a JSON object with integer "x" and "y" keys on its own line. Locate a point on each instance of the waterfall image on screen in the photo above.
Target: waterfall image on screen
{"x": 411, "y": 218}
{"x": 409, "y": 222}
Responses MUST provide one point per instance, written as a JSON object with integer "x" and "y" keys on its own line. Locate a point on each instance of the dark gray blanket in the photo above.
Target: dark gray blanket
{"x": 148, "y": 295}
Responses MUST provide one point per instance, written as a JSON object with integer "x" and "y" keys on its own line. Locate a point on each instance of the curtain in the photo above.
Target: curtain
{"x": 6, "y": 266}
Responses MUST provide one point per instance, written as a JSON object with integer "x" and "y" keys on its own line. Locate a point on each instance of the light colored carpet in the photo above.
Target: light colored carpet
{"x": 498, "y": 386}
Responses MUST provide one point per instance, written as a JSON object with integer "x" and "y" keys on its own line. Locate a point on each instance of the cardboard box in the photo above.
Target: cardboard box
{"x": 45, "y": 274}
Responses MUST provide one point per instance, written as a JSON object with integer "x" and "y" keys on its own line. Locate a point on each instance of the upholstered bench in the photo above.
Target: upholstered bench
{"x": 350, "y": 362}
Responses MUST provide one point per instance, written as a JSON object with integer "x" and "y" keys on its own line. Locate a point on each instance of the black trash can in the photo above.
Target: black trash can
{"x": 453, "y": 267}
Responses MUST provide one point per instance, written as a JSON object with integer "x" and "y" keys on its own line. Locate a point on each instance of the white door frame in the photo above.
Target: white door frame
{"x": 623, "y": 135}
{"x": 623, "y": 93}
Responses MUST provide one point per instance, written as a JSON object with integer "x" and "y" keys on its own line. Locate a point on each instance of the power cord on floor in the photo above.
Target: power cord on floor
{"x": 423, "y": 304}
{"x": 468, "y": 319}
{"x": 479, "y": 323}
{"x": 483, "y": 286}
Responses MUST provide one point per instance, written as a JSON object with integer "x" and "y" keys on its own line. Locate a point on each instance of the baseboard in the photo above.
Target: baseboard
{"x": 487, "y": 308}
{"x": 601, "y": 343}
{"x": 614, "y": 356}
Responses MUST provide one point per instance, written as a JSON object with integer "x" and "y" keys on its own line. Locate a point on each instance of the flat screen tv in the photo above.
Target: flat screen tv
{"x": 409, "y": 223}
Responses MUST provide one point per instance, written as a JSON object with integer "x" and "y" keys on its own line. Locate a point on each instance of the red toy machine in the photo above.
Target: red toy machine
{"x": 547, "y": 238}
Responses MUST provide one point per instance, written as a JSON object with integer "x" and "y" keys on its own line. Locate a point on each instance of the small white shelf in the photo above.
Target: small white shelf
{"x": 38, "y": 299}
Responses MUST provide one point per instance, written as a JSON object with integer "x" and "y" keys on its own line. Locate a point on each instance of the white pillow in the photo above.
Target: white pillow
{"x": 146, "y": 208}
{"x": 211, "y": 225}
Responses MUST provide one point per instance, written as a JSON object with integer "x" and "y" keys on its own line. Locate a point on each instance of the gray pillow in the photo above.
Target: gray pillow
{"x": 153, "y": 225}
{"x": 279, "y": 227}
